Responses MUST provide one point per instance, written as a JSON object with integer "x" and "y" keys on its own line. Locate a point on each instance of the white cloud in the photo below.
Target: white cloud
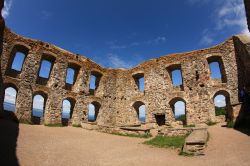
{"x": 91, "y": 110}
{"x": 10, "y": 95}
{"x": 228, "y": 14}
{"x": 232, "y": 14}
{"x": 245, "y": 30}
{"x": 199, "y": 2}
{"x": 220, "y": 101}
{"x": 118, "y": 46}
{"x": 206, "y": 38}
{"x": 66, "y": 106}
{"x": 157, "y": 40}
{"x": 6, "y": 9}
{"x": 115, "y": 61}
{"x": 231, "y": 7}
{"x": 114, "y": 44}
{"x": 38, "y": 102}
{"x": 142, "y": 111}
{"x": 45, "y": 14}
{"x": 179, "y": 108}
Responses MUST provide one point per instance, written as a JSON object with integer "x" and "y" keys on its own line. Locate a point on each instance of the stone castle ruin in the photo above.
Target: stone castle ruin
{"x": 118, "y": 95}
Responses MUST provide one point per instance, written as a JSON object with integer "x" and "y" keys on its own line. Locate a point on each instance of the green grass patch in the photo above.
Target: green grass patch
{"x": 54, "y": 125}
{"x": 76, "y": 125}
{"x": 146, "y": 135}
{"x": 230, "y": 124}
{"x": 220, "y": 111}
{"x": 186, "y": 154}
{"x": 165, "y": 142}
{"x": 211, "y": 123}
{"x": 191, "y": 125}
{"x": 181, "y": 118}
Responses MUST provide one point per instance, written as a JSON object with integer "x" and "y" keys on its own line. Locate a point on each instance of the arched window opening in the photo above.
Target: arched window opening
{"x": 141, "y": 84}
{"x": 71, "y": 75}
{"x": 18, "y": 61}
{"x": 222, "y": 104}
{"x": 139, "y": 81}
{"x": 92, "y": 84}
{"x": 91, "y": 114}
{"x": 67, "y": 110}
{"x": 175, "y": 74}
{"x": 140, "y": 111}
{"x": 95, "y": 78}
{"x": 38, "y": 108}
{"x": 179, "y": 109}
{"x": 10, "y": 99}
{"x": 45, "y": 69}
{"x": 176, "y": 77}
{"x": 217, "y": 69}
{"x": 93, "y": 111}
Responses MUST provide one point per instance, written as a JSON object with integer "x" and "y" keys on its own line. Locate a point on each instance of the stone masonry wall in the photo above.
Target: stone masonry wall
{"x": 247, "y": 8}
{"x": 2, "y": 25}
{"x": 118, "y": 94}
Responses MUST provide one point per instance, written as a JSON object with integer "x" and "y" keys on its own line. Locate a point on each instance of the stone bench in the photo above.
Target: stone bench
{"x": 169, "y": 132}
{"x": 135, "y": 130}
{"x": 195, "y": 143}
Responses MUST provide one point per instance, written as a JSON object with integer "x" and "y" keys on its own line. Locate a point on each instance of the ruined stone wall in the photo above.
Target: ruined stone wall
{"x": 198, "y": 87}
{"x": 242, "y": 47}
{"x": 241, "y": 114}
{"x": 247, "y": 8}
{"x": 2, "y": 25}
{"x": 118, "y": 94}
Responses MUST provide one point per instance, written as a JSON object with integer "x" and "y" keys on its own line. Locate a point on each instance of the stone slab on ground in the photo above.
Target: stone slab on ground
{"x": 135, "y": 129}
{"x": 179, "y": 131}
{"x": 197, "y": 137}
{"x": 195, "y": 143}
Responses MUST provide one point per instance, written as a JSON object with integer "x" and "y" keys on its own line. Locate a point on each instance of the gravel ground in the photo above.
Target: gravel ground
{"x": 69, "y": 146}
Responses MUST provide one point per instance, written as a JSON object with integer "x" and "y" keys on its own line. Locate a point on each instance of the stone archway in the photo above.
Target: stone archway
{"x": 38, "y": 107}
{"x": 178, "y": 106}
{"x": 139, "y": 107}
{"x": 10, "y": 97}
{"x": 67, "y": 110}
{"x": 93, "y": 111}
{"x": 225, "y": 111}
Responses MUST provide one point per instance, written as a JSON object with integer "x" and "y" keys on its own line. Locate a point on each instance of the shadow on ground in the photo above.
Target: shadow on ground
{"x": 9, "y": 129}
{"x": 242, "y": 123}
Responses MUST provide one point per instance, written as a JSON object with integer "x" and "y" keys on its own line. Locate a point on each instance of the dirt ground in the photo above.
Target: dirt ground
{"x": 69, "y": 146}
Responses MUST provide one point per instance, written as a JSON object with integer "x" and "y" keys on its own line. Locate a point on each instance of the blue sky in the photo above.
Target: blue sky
{"x": 124, "y": 33}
